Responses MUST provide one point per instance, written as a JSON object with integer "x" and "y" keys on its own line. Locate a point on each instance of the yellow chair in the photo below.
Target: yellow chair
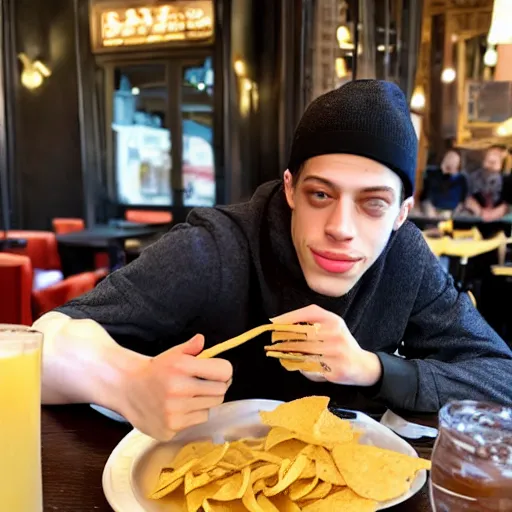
{"x": 502, "y": 270}
{"x": 465, "y": 248}
{"x": 471, "y": 234}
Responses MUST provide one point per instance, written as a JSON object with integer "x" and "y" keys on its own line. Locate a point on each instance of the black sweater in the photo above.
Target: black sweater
{"x": 231, "y": 268}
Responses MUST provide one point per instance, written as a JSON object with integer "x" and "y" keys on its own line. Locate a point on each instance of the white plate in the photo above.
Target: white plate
{"x": 133, "y": 467}
{"x": 109, "y": 413}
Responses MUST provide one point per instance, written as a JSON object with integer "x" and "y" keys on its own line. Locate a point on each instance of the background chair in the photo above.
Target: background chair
{"x": 16, "y": 289}
{"x": 148, "y": 216}
{"x": 62, "y": 225}
{"x": 21, "y": 304}
{"x": 41, "y": 248}
{"x": 62, "y": 292}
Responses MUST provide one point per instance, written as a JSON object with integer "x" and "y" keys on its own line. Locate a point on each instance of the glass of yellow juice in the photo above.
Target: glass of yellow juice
{"x": 20, "y": 419}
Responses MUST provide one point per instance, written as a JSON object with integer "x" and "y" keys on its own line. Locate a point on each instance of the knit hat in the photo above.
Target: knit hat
{"x": 368, "y": 118}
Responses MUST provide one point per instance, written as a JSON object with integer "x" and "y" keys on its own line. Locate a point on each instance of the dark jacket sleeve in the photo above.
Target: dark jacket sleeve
{"x": 506, "y": 190}
{"x": 464, "y": 187}
{"x": 449, "y": 351}
{"x": 425, "y": 190}
{"x": 155, "y": 296}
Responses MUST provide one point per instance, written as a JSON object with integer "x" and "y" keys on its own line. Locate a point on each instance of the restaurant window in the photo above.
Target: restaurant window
{"x": 162, "y": 133}
{"x": 141, "y": 135}
{"x": 197, "y": 128}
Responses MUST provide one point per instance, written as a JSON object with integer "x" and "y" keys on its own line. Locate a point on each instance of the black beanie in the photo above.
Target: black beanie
{"x": 368, "y": 118}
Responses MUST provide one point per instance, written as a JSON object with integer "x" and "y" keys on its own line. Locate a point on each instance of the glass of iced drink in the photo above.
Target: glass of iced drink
{"x": 20, "y": 419}
{"x": 472, "y": 458}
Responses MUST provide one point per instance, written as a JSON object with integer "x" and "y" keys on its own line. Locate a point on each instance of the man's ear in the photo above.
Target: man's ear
{"x": 405, "y": 208}
{"x": 289, "y": 189}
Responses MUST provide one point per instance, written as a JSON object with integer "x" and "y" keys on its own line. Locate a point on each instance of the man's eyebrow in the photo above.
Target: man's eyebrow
{"x": 379, "y": 189}
{"x": 322, "y": 180}
{"x": 364, "y": 190}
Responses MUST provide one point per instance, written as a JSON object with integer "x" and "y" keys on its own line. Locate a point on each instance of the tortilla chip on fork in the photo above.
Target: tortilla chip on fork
{"x": 290, "y": 332}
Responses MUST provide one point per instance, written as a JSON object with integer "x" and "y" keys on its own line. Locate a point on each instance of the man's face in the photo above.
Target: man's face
{"x": 450, "y": 163}
{"x": 493, "y": 160}
{"x": 344, "y": 208}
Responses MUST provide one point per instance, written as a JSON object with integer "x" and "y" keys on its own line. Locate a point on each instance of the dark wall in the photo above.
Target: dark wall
{"x": 437, "y": 144}
{"x": 265, "y": 34}
{"x": 47, "y": 159}
{"x": 47, "y": 177}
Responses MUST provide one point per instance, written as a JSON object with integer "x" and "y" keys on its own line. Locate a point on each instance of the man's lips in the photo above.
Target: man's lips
{"x": 336, "y": 263}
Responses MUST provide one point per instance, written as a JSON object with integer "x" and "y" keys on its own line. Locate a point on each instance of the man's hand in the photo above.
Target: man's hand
{"x": 492, "y": 214}
{"x": 343, "y": 360}
{"x": 175, "y": 390}
{"x": 159, "y": 396}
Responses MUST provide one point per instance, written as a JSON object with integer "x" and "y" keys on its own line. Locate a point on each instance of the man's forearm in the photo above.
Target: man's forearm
{"x": 398, "y": 386}
{"x": 82, "y": 364}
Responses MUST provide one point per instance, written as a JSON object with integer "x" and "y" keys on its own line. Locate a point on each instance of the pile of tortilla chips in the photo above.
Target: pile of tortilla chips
{"x": 310, "y": 460}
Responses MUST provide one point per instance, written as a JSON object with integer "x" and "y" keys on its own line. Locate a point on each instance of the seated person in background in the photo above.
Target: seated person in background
{"x": 503, "y": 150}
{"x": 485, "y": 188}
{"x": 444, "y": 187}
{"x": 329, "y": 243}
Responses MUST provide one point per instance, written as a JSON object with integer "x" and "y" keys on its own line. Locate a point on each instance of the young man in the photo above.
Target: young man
{"x": 328, "y": 244}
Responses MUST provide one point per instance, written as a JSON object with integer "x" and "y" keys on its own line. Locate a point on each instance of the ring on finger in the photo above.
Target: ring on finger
{"x": 325, "y": 367}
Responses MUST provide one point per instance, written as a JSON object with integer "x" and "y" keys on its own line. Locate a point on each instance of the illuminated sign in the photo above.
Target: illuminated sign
{"x": 156, "y": 24}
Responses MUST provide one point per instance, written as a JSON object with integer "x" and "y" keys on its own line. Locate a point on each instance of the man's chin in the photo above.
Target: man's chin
{"x": 331, "y": 287}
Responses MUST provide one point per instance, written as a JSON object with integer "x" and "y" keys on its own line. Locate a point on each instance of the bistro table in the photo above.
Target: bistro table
{"x": 76, "y": 443}
{"x": 105, "y": 238}
{"x": 464, "y": 221}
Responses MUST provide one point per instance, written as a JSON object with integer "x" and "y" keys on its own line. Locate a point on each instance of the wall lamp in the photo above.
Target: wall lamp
{"x": 34, "y": 72}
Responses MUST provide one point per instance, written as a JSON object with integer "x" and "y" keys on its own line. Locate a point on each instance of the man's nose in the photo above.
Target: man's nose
{"x": 341, "y": 223}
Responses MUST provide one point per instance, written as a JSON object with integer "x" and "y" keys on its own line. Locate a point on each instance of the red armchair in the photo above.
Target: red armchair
{"x": 41, "y": 248}
{"x": 19, "y": 304}
{"x": 63, "y": 225}
{"x": 15, "y": 289}
{"x": 49, "y": 298}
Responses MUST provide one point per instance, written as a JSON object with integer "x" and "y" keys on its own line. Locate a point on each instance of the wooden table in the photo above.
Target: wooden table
{"x": 77, "y": 442}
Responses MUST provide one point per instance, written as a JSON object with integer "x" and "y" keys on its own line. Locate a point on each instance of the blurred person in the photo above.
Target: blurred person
{"x": 485, "y": 188}
{"x": 329, "y": 243}
{"x": 503, "y": 150}
{"x": 489, "y": 200}
{"x": 444, "y": 187}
